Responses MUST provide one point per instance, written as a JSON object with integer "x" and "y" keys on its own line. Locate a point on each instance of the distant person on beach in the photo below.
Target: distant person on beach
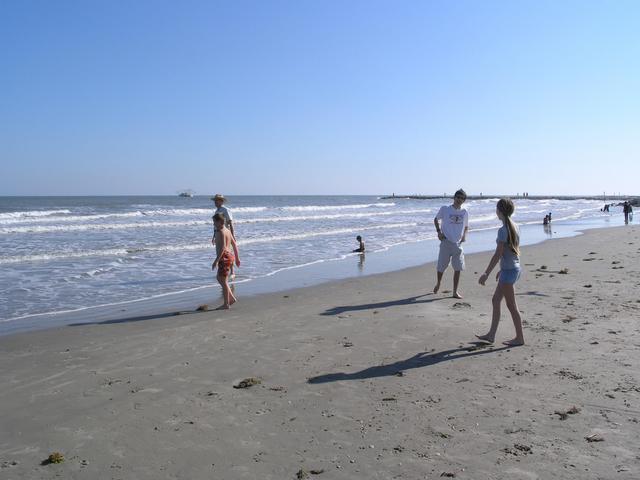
{"x": 360, "y": 248}
{"x": 625, "y": 209}
{"x": 508, "y": 254}
{"x": 630, "y": 212}
{"x": 546, "y": 220}
{"x": 452, "y": 225}
{"x": 219, "y": 200}
{"x": 226, "y": 255}
{"x": 549, "y": 217}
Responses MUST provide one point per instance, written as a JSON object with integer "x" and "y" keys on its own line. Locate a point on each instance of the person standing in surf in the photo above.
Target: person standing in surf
{"x": 508, "y": 254}
{"x": 226, "y": 255}
{"x": 452, "y": 225}
{"x": 219, "y": 200}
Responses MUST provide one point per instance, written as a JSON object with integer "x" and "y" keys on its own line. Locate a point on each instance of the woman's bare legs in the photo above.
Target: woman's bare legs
{"x": 498, "y": 295}
{"x": 510, "y": 299}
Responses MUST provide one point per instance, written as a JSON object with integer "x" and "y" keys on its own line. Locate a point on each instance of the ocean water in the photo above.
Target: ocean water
{"x": 59, "y": 254}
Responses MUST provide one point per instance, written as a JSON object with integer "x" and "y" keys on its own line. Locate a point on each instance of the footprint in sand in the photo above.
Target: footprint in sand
{"x": 459, "y": 305}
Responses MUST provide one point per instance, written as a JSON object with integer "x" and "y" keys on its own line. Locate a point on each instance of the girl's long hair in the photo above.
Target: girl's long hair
{"x": 506, "y": 208}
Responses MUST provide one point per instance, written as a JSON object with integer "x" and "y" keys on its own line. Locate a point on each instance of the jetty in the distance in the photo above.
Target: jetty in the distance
{"x": 604, "y": 198}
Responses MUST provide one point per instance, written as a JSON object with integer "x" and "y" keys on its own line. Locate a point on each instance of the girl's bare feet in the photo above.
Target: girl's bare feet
{"x": 223, "y": 307}
{"x": 436, "y": 288}
{"x": 457, "y": 295}
{"x": 516, "y": 342}
{"x": 486, "y": 338}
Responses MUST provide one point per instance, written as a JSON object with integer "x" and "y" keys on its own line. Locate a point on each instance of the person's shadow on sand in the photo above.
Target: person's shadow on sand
{"x": 389, "y": 303}
{"x": 419, "y": 360}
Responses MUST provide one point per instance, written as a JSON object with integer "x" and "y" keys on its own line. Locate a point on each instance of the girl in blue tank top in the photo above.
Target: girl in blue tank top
{"x": 508, "y": 254}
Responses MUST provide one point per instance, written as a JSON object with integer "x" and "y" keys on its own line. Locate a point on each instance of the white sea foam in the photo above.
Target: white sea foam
{"x": 312, "y": 208}
{"x": 336, "y": 216}
{"x": 97, "y": 226}
{"x": 68, "y": 218}
{"x": 121, "y": 252}
{"x": 322, "y": 233}
{"x": 36, "y": 228}
{"x": 31, "y": 214}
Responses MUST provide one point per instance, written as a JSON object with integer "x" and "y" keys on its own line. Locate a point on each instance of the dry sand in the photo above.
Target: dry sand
{"x": 367, "y": 378}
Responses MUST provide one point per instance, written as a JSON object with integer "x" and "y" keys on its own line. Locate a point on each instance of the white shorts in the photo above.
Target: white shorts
{"x": 450, "y": 252}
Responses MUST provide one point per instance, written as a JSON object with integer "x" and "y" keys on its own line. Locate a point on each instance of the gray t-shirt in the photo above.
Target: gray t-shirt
{"x": 509, "y": 260}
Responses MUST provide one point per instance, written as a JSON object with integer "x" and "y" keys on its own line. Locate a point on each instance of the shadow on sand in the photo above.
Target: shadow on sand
{"x": 533, "y": 293}
{"x": 419, "y": 360}
{"x": 390, "y": 303}
{"x": 139, "y": 318}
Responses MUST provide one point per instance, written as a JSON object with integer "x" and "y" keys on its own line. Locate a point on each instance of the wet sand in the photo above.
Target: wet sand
{"x": 363, "y": 378}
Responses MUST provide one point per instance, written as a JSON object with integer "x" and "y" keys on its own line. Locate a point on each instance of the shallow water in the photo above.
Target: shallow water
{"x": 69, "y": 253}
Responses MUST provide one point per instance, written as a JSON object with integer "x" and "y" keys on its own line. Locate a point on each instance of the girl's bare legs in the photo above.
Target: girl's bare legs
{"x": 490, "y": 336}
{"x": 510, "y": 299}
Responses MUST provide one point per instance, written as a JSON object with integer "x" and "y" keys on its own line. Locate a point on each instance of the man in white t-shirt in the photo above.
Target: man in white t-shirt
{"x": 452, "y": 225}
{"x": 219, "y": 200}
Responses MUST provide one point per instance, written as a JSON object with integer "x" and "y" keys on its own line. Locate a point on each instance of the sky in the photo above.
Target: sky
{"x": 319, "y": 97}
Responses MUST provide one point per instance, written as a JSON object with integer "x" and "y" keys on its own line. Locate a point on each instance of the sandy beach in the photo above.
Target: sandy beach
{"x": 367, "y": 378}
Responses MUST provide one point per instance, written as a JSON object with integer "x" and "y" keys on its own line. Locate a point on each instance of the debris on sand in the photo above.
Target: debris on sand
{"x": 594, "y": 437}
{"x": 248, "y": 382}
{"x": 202, "y": 308}
{"x": 565, "y": 414}
{"x": 448, "y": 474}
{"x": 565, "y": 372}
{"x": 302, "y": 473}
{"x": 563, "y": 271}
{"x": 459, "y": 305}
{"x": 543, "y": 267}
{"x": 55, "y": 457}
{"x": 568, "y": 319}
{"x": 518, "y": 449}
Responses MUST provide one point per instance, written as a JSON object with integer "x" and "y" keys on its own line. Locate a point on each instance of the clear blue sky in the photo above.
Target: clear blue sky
{"x": 319, "y": 97}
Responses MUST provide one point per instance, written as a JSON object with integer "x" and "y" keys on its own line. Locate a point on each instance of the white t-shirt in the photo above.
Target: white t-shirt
{"x": 454, "y": 222}
{"x": 224, "y": 211}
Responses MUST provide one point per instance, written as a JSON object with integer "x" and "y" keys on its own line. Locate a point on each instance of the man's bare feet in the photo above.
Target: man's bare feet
{"x": 233, "y": 300}
{"x": 457, "y": 295}
{"x": 223, "y": 307}
{"x": 486, "y": 338}
{"x": 516, "y": 342}
{"x": 436, "y": 288}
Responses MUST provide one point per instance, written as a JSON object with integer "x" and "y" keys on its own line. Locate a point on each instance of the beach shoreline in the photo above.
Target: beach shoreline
{"x": 357, "y": 378}
{"x": 399, "y": 257}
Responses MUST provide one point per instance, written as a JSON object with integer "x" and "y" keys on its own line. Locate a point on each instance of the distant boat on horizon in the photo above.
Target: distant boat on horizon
{"x": 186, "y": 193}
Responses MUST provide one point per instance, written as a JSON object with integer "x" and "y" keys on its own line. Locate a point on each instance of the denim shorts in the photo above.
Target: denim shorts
{"x": 510, "y": 276}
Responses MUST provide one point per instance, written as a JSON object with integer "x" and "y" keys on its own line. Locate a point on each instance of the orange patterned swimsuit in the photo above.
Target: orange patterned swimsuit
{"x": 226, "y": 262}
